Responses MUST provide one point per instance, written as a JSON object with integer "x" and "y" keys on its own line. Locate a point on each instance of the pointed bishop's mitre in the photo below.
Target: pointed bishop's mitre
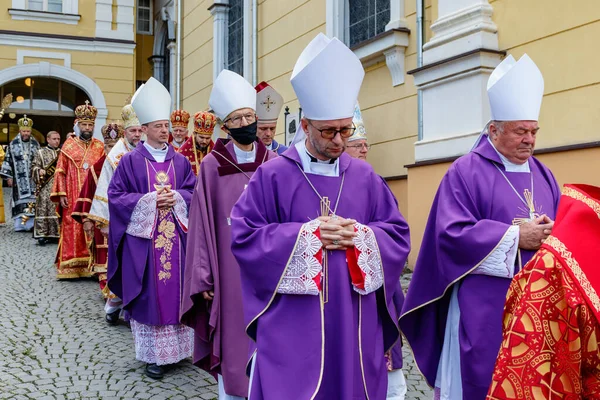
{"x": 152, "y": 102}
{"x": 327, "y": 78}
{"x": 268, "y": 103}
{"x": 231, "y": 92}
{"x": 359, "y": 124}
{"x": 515, "y": 90}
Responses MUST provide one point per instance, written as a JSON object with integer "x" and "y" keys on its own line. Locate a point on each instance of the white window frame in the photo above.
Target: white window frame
{"x": 151, "y": 19}
{"x": 69, "y": 15}
{"x": 45, "y": 6}
{"x": 389, "y": 46}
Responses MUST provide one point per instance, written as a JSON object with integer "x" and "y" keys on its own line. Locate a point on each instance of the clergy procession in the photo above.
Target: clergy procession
{"x": 276, "y": 267}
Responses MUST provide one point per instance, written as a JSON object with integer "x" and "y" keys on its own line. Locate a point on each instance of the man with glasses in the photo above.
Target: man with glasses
{"x": 357, "y": 143}
{"x": 321, "y": 245}
{"x": 212, "y": 299}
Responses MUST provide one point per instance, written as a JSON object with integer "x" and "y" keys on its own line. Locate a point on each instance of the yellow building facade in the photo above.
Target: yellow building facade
{"x": 422, "y": 109}
{"x": 56, "y": 54}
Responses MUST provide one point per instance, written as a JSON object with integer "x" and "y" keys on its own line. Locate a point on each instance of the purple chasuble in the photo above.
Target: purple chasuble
{"x": 336, "y": 348}
{"x": 471, "y": 213}
{"x": 147, "y": 272}
{"x": 220, "y": 344}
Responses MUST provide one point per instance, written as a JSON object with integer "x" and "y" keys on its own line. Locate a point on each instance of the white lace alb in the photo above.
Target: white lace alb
{"x": 143, "y": 217}
{"x": 501, "y": 263}
{"x": 303, "y": 266}
{"x": 369, "y": 259}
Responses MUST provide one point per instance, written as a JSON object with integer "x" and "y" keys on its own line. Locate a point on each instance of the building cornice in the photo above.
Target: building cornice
{"x": 44, "y": 16}
{"x": 66, "y": 42}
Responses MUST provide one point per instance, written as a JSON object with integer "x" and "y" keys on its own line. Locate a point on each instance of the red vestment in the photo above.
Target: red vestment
{"x": 552, "y": 315}
{"x": 76, "y": 157}
{"x": 194, "y": 156}
{"x": 99, "y": 246}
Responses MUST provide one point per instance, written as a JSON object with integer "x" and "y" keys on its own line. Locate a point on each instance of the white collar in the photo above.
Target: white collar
{"x": 244, "y": 157}
{"x": 323, "y": 168}
{"x": 158, "y": 154}
{"x": 509, "y": 166}
{"x": 270, "y": 147}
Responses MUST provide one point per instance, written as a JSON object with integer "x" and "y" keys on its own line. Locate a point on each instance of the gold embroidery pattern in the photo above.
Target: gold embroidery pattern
{"x": 559, "y": 246}
{"x": 556, "y": 359}
{"x": 164, "y": 241}
{"x": 574, "y": 194}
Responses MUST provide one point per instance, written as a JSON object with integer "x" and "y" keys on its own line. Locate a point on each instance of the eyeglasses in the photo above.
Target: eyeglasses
{"x": 330, "y": 133}
{"x": 360, "y": 146}
{"x": 237, "y": 120}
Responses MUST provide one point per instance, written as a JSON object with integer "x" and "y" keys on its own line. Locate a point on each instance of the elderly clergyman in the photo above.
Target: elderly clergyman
{"x": 493, "y": 209}
{"x": 321, "y": 245}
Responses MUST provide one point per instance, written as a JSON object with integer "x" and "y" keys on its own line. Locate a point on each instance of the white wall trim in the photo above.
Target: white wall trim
{"x": 247, "y": 45}
{"x": 43, "y": 16}
{"x": 220, "y": 15}
{"x": 21, "y": 54}
{"x": 68, "y": 6}
{"x": 66, "y": 44}
{"x": 391, "y": 47}
{"x": 335, "y": 19}
{"x": 125, "y": 19}
{"x": 76, "y": 78}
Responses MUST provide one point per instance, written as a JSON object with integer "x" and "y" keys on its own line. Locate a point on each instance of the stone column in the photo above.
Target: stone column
{"x": 158, "y": 67}
{"x": 220, "y": 15}
{"x": 172, "y": 47}
{"x": 457, "y": 62}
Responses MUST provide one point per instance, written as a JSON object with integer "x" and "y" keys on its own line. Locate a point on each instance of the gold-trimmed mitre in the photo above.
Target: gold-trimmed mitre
{"x": 86, "y": 112}
{"x": 359, "y": 124}
{"x": 25, "y": 123}
{"x": 112, "y": 132}
{"x": 204, "y": 123}
{"x": 180, "y": 118}
{"x": 129, "y": 117}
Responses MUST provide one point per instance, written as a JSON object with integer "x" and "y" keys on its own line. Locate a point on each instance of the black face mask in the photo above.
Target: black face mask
{"x": 244, "y": 134}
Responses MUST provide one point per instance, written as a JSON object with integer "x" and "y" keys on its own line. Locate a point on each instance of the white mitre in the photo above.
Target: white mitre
{"x": 231, "y": 92}
{"x": 268, "y": 103}
{"x": 515, "y": 90}
{"x": 152, "y": 102}
{"x": 327, "y": 79}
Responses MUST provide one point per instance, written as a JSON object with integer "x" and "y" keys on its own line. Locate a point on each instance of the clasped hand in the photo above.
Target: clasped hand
{"x": 165, "y": 199}
{"x": 532, "y": 234}
{"x": 337, "y": 233}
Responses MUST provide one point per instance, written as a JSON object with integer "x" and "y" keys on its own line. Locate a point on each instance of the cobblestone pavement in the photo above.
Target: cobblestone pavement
{"x": 54, "y": 343}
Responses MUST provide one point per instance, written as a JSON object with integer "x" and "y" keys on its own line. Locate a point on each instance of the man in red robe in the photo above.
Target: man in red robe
{"x": 97, "y": 242}
{"x": 552, "y": 315}
{"x": 200, "y": 143}
{"x": 78, "y": 154}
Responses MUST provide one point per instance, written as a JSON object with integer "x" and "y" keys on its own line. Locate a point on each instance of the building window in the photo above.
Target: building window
{"x": 366, "y": 19}
{"x": 144, "y": 17}
{"x": 45, "y": 5}
{"x": 235, "y": 39}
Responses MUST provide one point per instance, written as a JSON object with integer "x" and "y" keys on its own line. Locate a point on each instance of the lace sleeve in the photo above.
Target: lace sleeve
{"x": 303, "y": 272}
{"x": 143, "y": 218}
{"x": 501, "y": 263}
{"x": 368, "y": 260}
{"x": 181, "y": 211}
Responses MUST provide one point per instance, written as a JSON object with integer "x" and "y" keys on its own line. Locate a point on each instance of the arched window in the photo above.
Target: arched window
{"x": 49, "y": 102}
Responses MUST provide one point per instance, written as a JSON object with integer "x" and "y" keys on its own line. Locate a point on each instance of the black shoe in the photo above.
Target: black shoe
{"x": 113, "y": 317}
{"x": 154, "y": 371}
{"x": 42, "y": 241}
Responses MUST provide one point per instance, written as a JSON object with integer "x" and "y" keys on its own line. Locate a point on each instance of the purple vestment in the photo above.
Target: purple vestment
{"x": 304, "y": 347}
{"x": 147, "y": 272}
{"x": 471, "y": 213}
{"x": 221, "y": 345}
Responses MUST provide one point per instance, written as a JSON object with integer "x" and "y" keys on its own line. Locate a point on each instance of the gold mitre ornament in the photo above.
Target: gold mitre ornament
{"x": 25, "y": 123}
{"x": 112, "y": 132}
{"x": 86, "y": 112}
{"x": 359, "y": 124}
{"x": 129, "y": 117}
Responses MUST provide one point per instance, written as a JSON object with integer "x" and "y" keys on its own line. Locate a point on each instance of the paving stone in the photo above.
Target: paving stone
{"x": 54, "y": 337}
